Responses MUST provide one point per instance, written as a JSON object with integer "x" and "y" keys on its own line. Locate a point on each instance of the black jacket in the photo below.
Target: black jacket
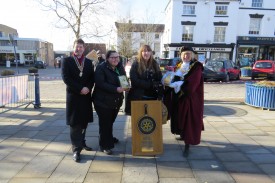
{"x": 79, "y": 109}
{"x": 106, "y": 82}
{"x": 143, "y": 85}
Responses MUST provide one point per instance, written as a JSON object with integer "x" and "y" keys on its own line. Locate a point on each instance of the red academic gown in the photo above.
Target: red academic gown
{"x": 186, "y": 107}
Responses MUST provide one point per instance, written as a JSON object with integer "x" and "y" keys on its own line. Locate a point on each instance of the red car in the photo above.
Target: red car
{"x": 263, "y": 69}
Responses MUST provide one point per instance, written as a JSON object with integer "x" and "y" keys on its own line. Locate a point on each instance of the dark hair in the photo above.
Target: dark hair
{"x": 109, "y": 52}
{"x": 79, "y": 41}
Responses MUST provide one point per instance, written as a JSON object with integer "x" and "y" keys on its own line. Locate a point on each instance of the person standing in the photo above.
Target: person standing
{"x": 108, "y": 98}
{"x": 185, "y": 100}
{"x": 145, "y": 78}
{"x": 78, "y": 75}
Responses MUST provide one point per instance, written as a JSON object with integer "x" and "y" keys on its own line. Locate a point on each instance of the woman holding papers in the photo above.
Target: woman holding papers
{"x": 108, "y": 98}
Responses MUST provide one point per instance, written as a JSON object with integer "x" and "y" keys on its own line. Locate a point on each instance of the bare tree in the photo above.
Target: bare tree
{"x": 80, "y": 16}
{"x": 125, "y": 38}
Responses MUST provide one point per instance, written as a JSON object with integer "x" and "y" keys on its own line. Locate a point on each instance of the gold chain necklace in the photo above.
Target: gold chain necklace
{"x": 80, "y": 66}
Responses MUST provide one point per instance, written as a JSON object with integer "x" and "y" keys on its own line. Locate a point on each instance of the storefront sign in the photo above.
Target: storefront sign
{"x": 247, "y": 38}
{"x": 212, "y": 49}
{"x": 6, "y": 51}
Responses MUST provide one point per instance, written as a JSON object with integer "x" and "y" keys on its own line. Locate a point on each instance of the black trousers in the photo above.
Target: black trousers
{"x": 106, "y": 119}
{"x": 77, "y": 134}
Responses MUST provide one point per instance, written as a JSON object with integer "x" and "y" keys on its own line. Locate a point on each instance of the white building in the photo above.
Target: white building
{"x": 220, "y": 28}
{"x": 130, "y": 36}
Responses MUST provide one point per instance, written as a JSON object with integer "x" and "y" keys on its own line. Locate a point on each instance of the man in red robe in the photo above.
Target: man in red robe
{"x": 184, "y": 100}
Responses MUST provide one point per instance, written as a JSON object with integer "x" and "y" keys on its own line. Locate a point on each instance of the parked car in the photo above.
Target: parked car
{"x": 172, "y": 64}
{"x": 221, "y": 69}
{"x": 163, "y": 62}
{"x": 263, "y": 68}
{"x": 40, "y": 64}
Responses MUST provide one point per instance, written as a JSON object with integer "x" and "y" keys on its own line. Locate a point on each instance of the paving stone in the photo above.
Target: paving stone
{"x": 139, "y": 161}
{"x": 251, "y": 178}
{"x": 22, "y": 155}
{"x": 177, "y": 180}
{"x": 56, "y": 148}
{"x": 40, "y": 167}
{"x": 174, "y": 170}
{"x": 103, "y": 178}
{"x": 8, "y": 170}
{"x": 269, "y": 169}
{"x": 70, "y": 171}
{"x": 242, "y": 167}
{"x": 231, "y": 156}
{"x": 210, "y": 171}
{"x": 28, "y": 180}
{"x": 262, "y": 158}
{"x": 106, "y": 166}
{"x": 139, "y": 174}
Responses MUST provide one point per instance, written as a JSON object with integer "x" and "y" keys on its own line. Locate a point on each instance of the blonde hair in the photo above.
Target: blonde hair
{"x": 142, "y": 63}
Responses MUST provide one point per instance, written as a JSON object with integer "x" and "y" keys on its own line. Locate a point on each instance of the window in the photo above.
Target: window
{"x": 156, "y": 36}
{"x": 255, "y": 25}
{"x": 157, "y": 47}
{"x": 1, "y": 34}
{"x": 187, "y": 34}
{"x": 219, "y": 34}
{"x": 129, "y": 36}
{"x": 142, "y": 35}
{"x": 189, "y": 9}
{"x": 257, "y": 3}
{"x": 221, "y": 10}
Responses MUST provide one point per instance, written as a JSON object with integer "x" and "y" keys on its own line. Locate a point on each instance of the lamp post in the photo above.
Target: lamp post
{"x": 15, "y": 57}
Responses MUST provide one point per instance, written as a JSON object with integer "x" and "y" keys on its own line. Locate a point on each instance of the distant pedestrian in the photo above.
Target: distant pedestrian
{"x": 108, "y": 98}
{"x": 184, "y": 100}
{"x": 78, "y": 75}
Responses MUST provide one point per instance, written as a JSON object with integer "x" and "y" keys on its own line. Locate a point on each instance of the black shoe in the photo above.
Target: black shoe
{"x": 76, "y": 156}
{"x": 107, "y": 151}
{"x": 115, "y": 140}
{"x": 87, "y": 148}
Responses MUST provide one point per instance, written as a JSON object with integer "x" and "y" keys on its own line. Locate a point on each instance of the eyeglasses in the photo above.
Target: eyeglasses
{"x": 114, "y": 57}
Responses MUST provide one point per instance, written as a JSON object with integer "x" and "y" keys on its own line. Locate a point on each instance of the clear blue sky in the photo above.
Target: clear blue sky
{"x": 31, "y": 22}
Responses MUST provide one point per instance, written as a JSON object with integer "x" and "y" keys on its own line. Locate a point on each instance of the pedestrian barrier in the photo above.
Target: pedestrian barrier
{"x": 260, "y": 96}
{"x": 246, "y": 72}
{"x": 19, "y": 90}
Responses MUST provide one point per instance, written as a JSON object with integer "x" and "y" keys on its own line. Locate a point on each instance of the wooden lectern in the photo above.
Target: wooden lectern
{"x": 146, "y": 117}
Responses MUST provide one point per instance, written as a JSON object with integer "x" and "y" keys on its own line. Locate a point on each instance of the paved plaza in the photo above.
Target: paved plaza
{"x": 238, "y": 144}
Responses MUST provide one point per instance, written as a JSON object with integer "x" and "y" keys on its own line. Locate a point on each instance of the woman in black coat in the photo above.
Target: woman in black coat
{"x": 145, "y": 78}
{"x": 108, "y": 98}
{"x": 78, "y": 75}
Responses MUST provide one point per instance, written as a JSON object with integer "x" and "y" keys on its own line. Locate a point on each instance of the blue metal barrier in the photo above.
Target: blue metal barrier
{"x": 260, "y": 96}
{"x": 19, "y": 90}
{"x": 245, "y": 72}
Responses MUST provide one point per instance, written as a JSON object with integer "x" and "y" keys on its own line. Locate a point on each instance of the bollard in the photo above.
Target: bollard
{"x": 36, "y": 103}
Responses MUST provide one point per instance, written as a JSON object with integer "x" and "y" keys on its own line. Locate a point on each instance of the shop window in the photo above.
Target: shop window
{"x": 187, "y": 34}
{"x": 257, "y": 3}
{"x": 219, "y": 35}
{"x": 142, "y": 35}
{"x": 156, "y": 36}
{"x": 255, "y": 25}
{"x": 188, "y": 9}
{"x": 221, "y": 10}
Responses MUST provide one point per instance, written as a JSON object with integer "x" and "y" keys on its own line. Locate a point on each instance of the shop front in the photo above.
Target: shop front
{"x": 250, "y": 49}
{"x": 205, "y": 51}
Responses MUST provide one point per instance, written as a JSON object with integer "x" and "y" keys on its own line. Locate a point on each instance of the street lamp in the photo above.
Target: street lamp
{"x": 15, "y": 57}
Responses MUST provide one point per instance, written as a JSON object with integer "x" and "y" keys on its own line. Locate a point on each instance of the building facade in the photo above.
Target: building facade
{"x": 220, "y": 28}
{"x": 27, "y": 50}
{"x": 130, "y": 36}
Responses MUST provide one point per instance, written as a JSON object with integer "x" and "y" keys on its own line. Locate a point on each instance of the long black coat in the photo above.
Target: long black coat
{"x": 106, "y": 82}
{"x": 79, "y": 109}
